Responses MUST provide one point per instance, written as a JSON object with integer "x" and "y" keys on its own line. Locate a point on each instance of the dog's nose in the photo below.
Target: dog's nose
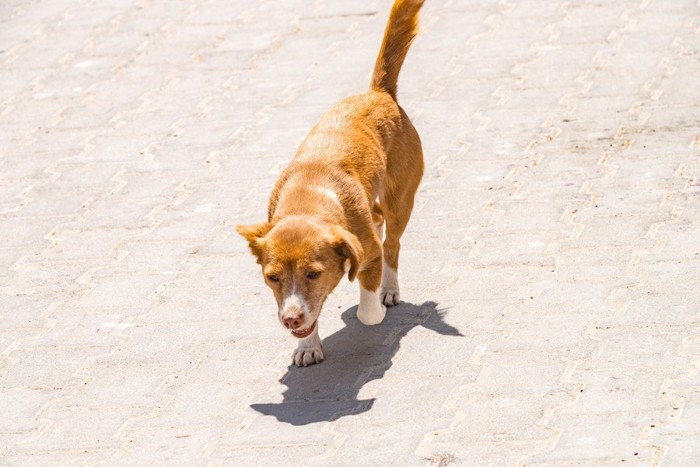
{"x": 292, "y": 320}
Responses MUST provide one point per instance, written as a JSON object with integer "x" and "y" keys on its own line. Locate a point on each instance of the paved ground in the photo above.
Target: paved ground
{"x": 550, "y": 272}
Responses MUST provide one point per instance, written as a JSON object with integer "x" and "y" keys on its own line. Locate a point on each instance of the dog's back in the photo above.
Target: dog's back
{"x": 356, "y": 136}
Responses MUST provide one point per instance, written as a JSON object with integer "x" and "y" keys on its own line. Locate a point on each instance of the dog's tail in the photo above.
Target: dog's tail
{"x": 398, "y": 36}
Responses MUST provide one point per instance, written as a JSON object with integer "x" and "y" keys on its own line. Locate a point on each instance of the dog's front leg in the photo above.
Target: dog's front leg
{"x": 309, "y": 350}
{"x": 371, "y": 311}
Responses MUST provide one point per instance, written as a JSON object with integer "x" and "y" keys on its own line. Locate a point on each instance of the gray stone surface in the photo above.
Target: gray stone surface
{"x": 550, "y": 271}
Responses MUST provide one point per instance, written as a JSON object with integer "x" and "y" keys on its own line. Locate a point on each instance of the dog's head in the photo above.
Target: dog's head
{"x": 302, "y": 262}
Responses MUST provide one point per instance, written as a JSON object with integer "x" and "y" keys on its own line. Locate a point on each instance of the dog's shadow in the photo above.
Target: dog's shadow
{"x": 355, "y": 355}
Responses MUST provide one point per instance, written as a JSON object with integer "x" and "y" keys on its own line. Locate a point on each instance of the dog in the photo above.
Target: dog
{"x": 355, "y": 175}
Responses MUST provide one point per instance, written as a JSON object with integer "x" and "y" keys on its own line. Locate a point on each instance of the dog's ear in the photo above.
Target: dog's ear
{"x": 349, "y": 247}
{"x": 255, "y": 234}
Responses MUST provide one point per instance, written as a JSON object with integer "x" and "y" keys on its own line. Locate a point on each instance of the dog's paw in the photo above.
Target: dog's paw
{"x": 370, "y": 318}
{"x": 390, "y": 286}
{"x": 390, "y": 296}
{"x": 305, "y": 356}
{"x": 371, "y": 311}
{"x": 309, "y": 350}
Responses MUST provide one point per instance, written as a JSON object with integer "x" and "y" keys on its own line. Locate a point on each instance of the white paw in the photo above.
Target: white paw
{"x": 370, "y": 311}
{"x": 390, "y": 297}
{"x": 307, "y": 356}
{"x": 309, "y": 350}
{"x": 390, "y": 286}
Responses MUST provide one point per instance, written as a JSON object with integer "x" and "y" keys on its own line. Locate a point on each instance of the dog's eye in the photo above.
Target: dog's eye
{"x": 273, "y": 278}
{"x": 312, "y": 274}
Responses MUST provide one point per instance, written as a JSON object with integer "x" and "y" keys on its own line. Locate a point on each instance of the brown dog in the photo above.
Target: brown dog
{"x": 358, "y": 167}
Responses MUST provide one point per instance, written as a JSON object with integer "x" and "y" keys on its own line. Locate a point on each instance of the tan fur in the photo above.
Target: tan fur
{"x": 403, "y": 22}
{"x": 361, "y": 163}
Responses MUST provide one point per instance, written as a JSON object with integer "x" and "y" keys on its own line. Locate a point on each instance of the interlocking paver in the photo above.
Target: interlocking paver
{"x": 549, "y": 270}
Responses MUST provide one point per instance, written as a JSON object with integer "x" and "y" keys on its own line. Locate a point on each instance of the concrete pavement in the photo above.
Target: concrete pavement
{"x": 549, "y": 273}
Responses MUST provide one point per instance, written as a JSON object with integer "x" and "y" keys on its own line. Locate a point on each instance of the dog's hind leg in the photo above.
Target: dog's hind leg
{"x": 405, "y": 171}
{"x": 395, "y": 225}
{"x": 378, "y": 220}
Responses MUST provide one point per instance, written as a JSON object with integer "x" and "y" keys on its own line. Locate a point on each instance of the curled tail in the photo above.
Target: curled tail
{"x": 398, "y": 36}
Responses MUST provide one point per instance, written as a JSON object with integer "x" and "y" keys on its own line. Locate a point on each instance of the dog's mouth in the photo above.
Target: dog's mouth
{"x": 302, "y": 333}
